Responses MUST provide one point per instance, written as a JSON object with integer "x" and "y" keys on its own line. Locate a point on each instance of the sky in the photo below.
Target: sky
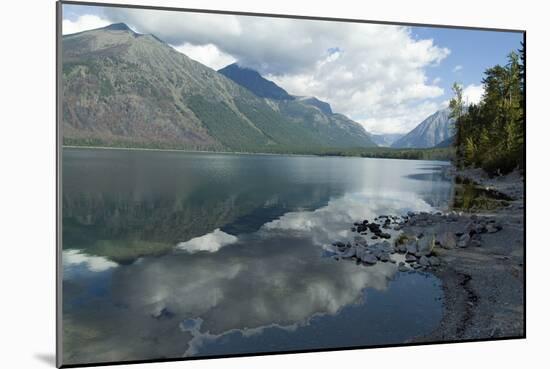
{"x": 387, "y": 77}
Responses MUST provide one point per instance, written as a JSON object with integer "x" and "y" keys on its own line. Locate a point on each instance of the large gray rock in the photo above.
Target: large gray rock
{"x": 447, "y": 240}
{"x": 424, "y": 261}
{"x": 411, "y": 247}
{"x": 385, "y": 257}
{"x": 409, "y": 258}
{"x": 463, "y": 240}
{"x": 425, "y": 245}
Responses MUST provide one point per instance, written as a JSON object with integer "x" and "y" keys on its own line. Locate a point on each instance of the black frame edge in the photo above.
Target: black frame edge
{"x": 58, "y": 187}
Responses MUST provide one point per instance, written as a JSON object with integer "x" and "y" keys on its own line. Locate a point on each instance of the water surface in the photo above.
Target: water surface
{"x": 171, "y": 254}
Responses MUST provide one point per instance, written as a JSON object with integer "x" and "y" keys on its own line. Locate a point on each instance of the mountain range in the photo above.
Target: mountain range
{"x": 386, "y": 139}
{"x": 121, "y": 88}
{"x": 125, "y": 89}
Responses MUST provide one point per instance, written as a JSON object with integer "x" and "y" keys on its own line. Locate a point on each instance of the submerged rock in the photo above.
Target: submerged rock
{"x": 403, "y": 268}
{"x": 348, "y": 253}
{"x": 359, "y": 252}
{"x": 360, "y": 240}
{"x": 369, "y": 258}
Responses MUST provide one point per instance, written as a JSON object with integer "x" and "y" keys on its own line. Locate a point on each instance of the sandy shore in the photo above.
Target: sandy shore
{"x": 483, "y": 283}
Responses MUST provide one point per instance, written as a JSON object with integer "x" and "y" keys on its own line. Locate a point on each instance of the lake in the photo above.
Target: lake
{"x": 175, "y": 254}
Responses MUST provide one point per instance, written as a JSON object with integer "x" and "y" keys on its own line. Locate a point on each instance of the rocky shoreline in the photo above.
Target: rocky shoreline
{"x": 477, "y": 254}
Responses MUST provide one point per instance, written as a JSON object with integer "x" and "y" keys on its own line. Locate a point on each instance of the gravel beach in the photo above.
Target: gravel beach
{"x": 476, "y": 249}
{"x": 484, "y": 283}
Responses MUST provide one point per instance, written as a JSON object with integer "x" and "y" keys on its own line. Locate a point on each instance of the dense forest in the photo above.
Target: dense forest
{"x": 491, "y": 134}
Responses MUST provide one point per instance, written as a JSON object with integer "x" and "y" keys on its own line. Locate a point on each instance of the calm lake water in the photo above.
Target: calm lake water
{"x": 171, "y": 254}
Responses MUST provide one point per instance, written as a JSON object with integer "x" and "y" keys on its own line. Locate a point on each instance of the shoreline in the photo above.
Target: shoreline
{"x": 178, "y": 150}
{"x": 483, "y": 285}
{"x": 245, "y": 153}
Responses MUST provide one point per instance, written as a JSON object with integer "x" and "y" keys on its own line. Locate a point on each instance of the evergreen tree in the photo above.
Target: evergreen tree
{"x": 491, "y": 134}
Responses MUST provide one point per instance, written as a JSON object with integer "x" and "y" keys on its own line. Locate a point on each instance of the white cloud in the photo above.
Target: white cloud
{"x": 402, "y": 119}
{"x": 83, "y": 23}
{"x": 473, "y": 94}
{"x": 209, "y": 242}
{"x": 208, "y": 55}
{"x": 457, "y": 68}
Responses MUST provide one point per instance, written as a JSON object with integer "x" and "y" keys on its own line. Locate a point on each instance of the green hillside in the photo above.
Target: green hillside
{"x": 123, "y": 89}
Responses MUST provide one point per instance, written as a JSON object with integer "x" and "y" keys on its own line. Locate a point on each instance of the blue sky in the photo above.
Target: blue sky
{"x": 473, "y": 50}
{"x": 388, "y": 78}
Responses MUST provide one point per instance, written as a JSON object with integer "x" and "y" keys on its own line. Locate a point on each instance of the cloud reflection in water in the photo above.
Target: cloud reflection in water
{"x": 249, "y": 235}
{"x": 274, "y": 277}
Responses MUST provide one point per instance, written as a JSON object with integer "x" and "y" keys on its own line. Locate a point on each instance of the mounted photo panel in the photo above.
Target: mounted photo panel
{"x": 234, "y": 184}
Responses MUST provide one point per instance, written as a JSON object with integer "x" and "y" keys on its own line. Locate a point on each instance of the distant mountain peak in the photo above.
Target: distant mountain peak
{"x": 385, "y": 139}
{"x": 118, "y": 27}
{"x": 253, "y": 81}
{"x": 433, "y": 130}
{"x": 236, "y": 66}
